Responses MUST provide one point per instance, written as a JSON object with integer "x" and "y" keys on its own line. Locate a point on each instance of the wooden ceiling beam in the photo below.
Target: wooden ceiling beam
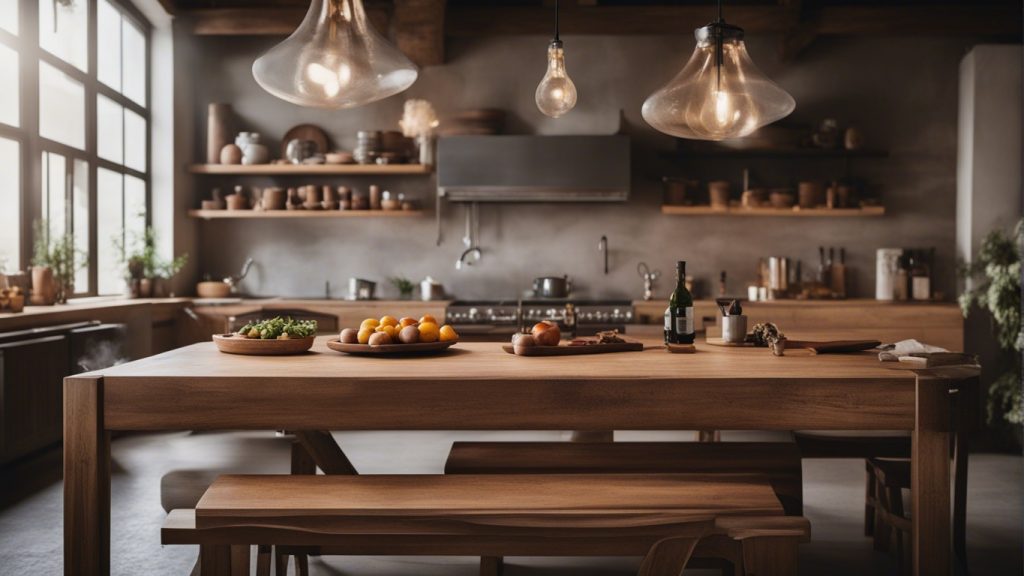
{"x": 418, "y": 29}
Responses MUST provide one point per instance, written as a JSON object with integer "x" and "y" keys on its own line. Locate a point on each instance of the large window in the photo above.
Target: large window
{"x": 74, "y": 132}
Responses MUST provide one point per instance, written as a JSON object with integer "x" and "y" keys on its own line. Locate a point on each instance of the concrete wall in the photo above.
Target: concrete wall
{"x": 901, "y": 92}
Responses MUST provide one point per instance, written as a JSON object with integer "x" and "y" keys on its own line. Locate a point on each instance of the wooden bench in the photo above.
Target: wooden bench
{"x": 778, "y": 461}
{"x": 658, "y": 517}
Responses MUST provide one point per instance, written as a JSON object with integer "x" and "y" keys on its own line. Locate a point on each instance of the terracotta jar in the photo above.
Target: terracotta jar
{"x": 44, "y": 286}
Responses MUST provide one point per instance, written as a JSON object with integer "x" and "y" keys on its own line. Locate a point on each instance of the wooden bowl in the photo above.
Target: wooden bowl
{"x": 213, "y": 290}
{"x": 235, "y": 344}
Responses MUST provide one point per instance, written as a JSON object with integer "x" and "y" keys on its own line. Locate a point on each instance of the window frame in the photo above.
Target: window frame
{"x": 32, "y": 145}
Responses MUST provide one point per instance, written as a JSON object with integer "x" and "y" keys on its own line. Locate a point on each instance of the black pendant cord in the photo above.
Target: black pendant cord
{"x": 556, "y": 21}
{"x": 719, "y": 51}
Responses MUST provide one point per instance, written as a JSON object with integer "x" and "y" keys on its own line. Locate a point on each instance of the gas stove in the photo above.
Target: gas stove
{"x": 499, "y": 319}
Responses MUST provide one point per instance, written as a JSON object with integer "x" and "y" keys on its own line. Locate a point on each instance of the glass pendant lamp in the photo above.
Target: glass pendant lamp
{"x": 334, "y": 59}
{"x": 720, "y": 93}
{"x": 556, "y": 94}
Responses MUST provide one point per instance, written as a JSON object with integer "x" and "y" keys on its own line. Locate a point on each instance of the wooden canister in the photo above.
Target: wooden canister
{"x": 810, "y": 194}
{"x": 218, "y": 130}
{"x": 719, "y": 192}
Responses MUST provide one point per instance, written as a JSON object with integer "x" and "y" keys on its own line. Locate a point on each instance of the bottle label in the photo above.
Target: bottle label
{"x": 684, "y": 324}
{"x": 668, "y": 319}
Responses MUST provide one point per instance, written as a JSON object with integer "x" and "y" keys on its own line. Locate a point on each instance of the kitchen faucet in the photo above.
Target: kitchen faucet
{"x": 602, "y": 246}
{"x": 233, "y": 281}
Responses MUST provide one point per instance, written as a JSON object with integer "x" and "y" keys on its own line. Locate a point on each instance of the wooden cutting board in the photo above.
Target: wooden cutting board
{"x": 563, "y": 350}
{"x": 824, "y": 347}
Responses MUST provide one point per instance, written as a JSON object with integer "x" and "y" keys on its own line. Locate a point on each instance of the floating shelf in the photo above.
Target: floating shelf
{"x": 312, "y": 169}
{"x": 250, "y": 214}
{"x": 796, "y": 211}
{"x": 721, "y": 152}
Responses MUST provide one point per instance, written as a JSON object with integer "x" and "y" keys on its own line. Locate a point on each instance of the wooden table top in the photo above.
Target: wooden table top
{"x": 487, "y": 362}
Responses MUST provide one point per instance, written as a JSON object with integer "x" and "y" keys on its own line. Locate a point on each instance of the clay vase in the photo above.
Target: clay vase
{"x": 231, "y": 154}
{"x": 217, "y": 131}
{"x": 44, "y": 287}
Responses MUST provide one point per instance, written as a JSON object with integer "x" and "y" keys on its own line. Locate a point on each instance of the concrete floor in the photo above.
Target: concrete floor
{"x": 31, "y": 539}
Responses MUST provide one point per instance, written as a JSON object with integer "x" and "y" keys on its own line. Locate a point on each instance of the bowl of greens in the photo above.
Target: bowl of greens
{"x": 274, "y": 337}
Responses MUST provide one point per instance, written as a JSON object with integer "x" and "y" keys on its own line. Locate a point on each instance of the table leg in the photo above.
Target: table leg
{"x": 930, "y": 479}
{"x": 86, "y": 479}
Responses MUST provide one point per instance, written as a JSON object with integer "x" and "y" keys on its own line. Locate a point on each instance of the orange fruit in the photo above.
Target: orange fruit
{"x": 429, "y": 332}
{"x": 364, "y": 335}
{"x": 370, "y": 323}
{"x": 447, "y": 333}
{"x": 428, "y": 318}
{"x": 387, "y": 329}
{"x": 407, "y": 321}
{"x": 388, "y": 321}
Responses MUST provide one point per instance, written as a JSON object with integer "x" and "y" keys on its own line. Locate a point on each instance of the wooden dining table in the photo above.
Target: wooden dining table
{"x": 478, "y": 386}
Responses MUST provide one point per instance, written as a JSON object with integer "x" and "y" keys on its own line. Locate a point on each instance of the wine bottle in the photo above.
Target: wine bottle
{"x": 679, "y": 314}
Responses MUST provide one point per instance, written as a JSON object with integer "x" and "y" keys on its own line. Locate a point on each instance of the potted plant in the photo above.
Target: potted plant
{"x": 404, "y": 286}
{"x": 996, "y": 288}
{"x": 54, "y": 263}
{"x": 145, "y": 272}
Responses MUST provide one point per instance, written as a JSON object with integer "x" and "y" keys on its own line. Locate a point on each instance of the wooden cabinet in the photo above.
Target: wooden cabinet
{"x": 31, "y": 381}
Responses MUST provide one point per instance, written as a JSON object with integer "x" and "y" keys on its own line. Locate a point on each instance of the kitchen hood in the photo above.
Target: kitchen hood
{"x": 533, "y": 168}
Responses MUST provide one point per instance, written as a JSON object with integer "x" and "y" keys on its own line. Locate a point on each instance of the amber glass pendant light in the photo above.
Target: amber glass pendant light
{"x": 334, "y": 59}
{"x": 556, "y": 94}
{"x": 720, "y": 93}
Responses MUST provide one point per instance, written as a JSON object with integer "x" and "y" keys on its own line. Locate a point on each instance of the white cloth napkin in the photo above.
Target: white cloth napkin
{"x": 903, "y": 348}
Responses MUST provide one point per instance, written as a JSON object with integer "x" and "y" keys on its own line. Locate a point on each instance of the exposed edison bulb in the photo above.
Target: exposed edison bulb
{"x": 719, "y": 94}
{"x": 556, "y": 94}
{"x": 334, "y": 59}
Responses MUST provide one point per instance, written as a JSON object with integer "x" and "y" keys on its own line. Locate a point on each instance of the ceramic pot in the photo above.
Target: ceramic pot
{"x": 274, "y": 199}
{"x": 809, "y": 194}
{"x": 217, "y": 119}
{"x": 44, "y": 287}
{"x": 781, "y": 198}
{"x": 231, "y": 154}
{"x": 145, "y": 287}
{"x": 719, "y": 192}
{"x": 253, "y": 151}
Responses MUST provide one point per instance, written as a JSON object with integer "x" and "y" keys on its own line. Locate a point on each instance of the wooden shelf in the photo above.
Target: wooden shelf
{"x": 250, "y": 214}
{"x": 721, "y": 152}
{"x": 312, "y": 169}
{"x": 796, "y": 211}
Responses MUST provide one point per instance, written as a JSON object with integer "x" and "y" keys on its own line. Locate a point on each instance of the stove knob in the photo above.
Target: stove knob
{"x": 473, "y": 312}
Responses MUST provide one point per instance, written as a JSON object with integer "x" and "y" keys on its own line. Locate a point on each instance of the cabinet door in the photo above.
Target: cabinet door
{"x": 31, "y": 394}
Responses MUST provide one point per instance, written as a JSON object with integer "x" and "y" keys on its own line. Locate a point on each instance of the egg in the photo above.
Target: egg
{"x": 349, "y": 336}
{"x": 379, "y": 339}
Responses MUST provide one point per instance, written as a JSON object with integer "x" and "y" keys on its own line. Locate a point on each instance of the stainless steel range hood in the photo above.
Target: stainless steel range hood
{"x": 533, "y": 168}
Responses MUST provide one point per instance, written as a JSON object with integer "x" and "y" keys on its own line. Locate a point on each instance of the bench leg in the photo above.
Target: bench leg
{"x": 870, "y": 497}
{"x": 263, "y": 560}
{"x": 492, "y": 565}
{"x": 240, "y": 560}
{"x": 883, "y": 531}
{"x": 668, "y": 557}
{"x": 770, "y": 557}
{"x": 215, "y": 560}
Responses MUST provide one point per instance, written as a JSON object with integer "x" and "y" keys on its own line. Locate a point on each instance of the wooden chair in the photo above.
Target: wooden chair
{"x": 658, "y": 517}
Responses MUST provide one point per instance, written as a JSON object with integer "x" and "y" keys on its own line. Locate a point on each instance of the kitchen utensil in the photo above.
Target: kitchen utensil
{"x": 360, "y": 289}
{"x": 420, "y": 348}
{"x": 552, "y": 287}
{"x": 573, "y": 350}
{"x": 297, "y": 151}
{"x": 431, "y": 289}
{"x": 215, "y": 289}
{"x": 734, "y": 328}
{"x": 718, "y": 190}
{"x": 235, "y": 344}
{"x": 305, "y": 132}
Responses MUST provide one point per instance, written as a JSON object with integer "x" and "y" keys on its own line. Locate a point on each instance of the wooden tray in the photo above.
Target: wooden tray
{"x": 562, "y": 350}
{"x": 720, "y": 342}
{"x": 233, "y": 344}
{"x": 391, "y": 349}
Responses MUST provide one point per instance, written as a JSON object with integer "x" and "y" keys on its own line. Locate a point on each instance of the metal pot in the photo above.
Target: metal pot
{"x": 359, "y": 289}
{"x": 552, "y": 287}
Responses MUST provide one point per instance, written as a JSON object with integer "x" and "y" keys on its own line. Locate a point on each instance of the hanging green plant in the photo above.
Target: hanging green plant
{"x": 995, "y": 287}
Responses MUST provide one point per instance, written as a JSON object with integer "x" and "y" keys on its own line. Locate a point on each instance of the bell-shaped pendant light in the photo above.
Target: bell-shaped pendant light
{"x": 334, "y": 59}
{"x": 720, "y": 93}
{"x": 556, "y": 94}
